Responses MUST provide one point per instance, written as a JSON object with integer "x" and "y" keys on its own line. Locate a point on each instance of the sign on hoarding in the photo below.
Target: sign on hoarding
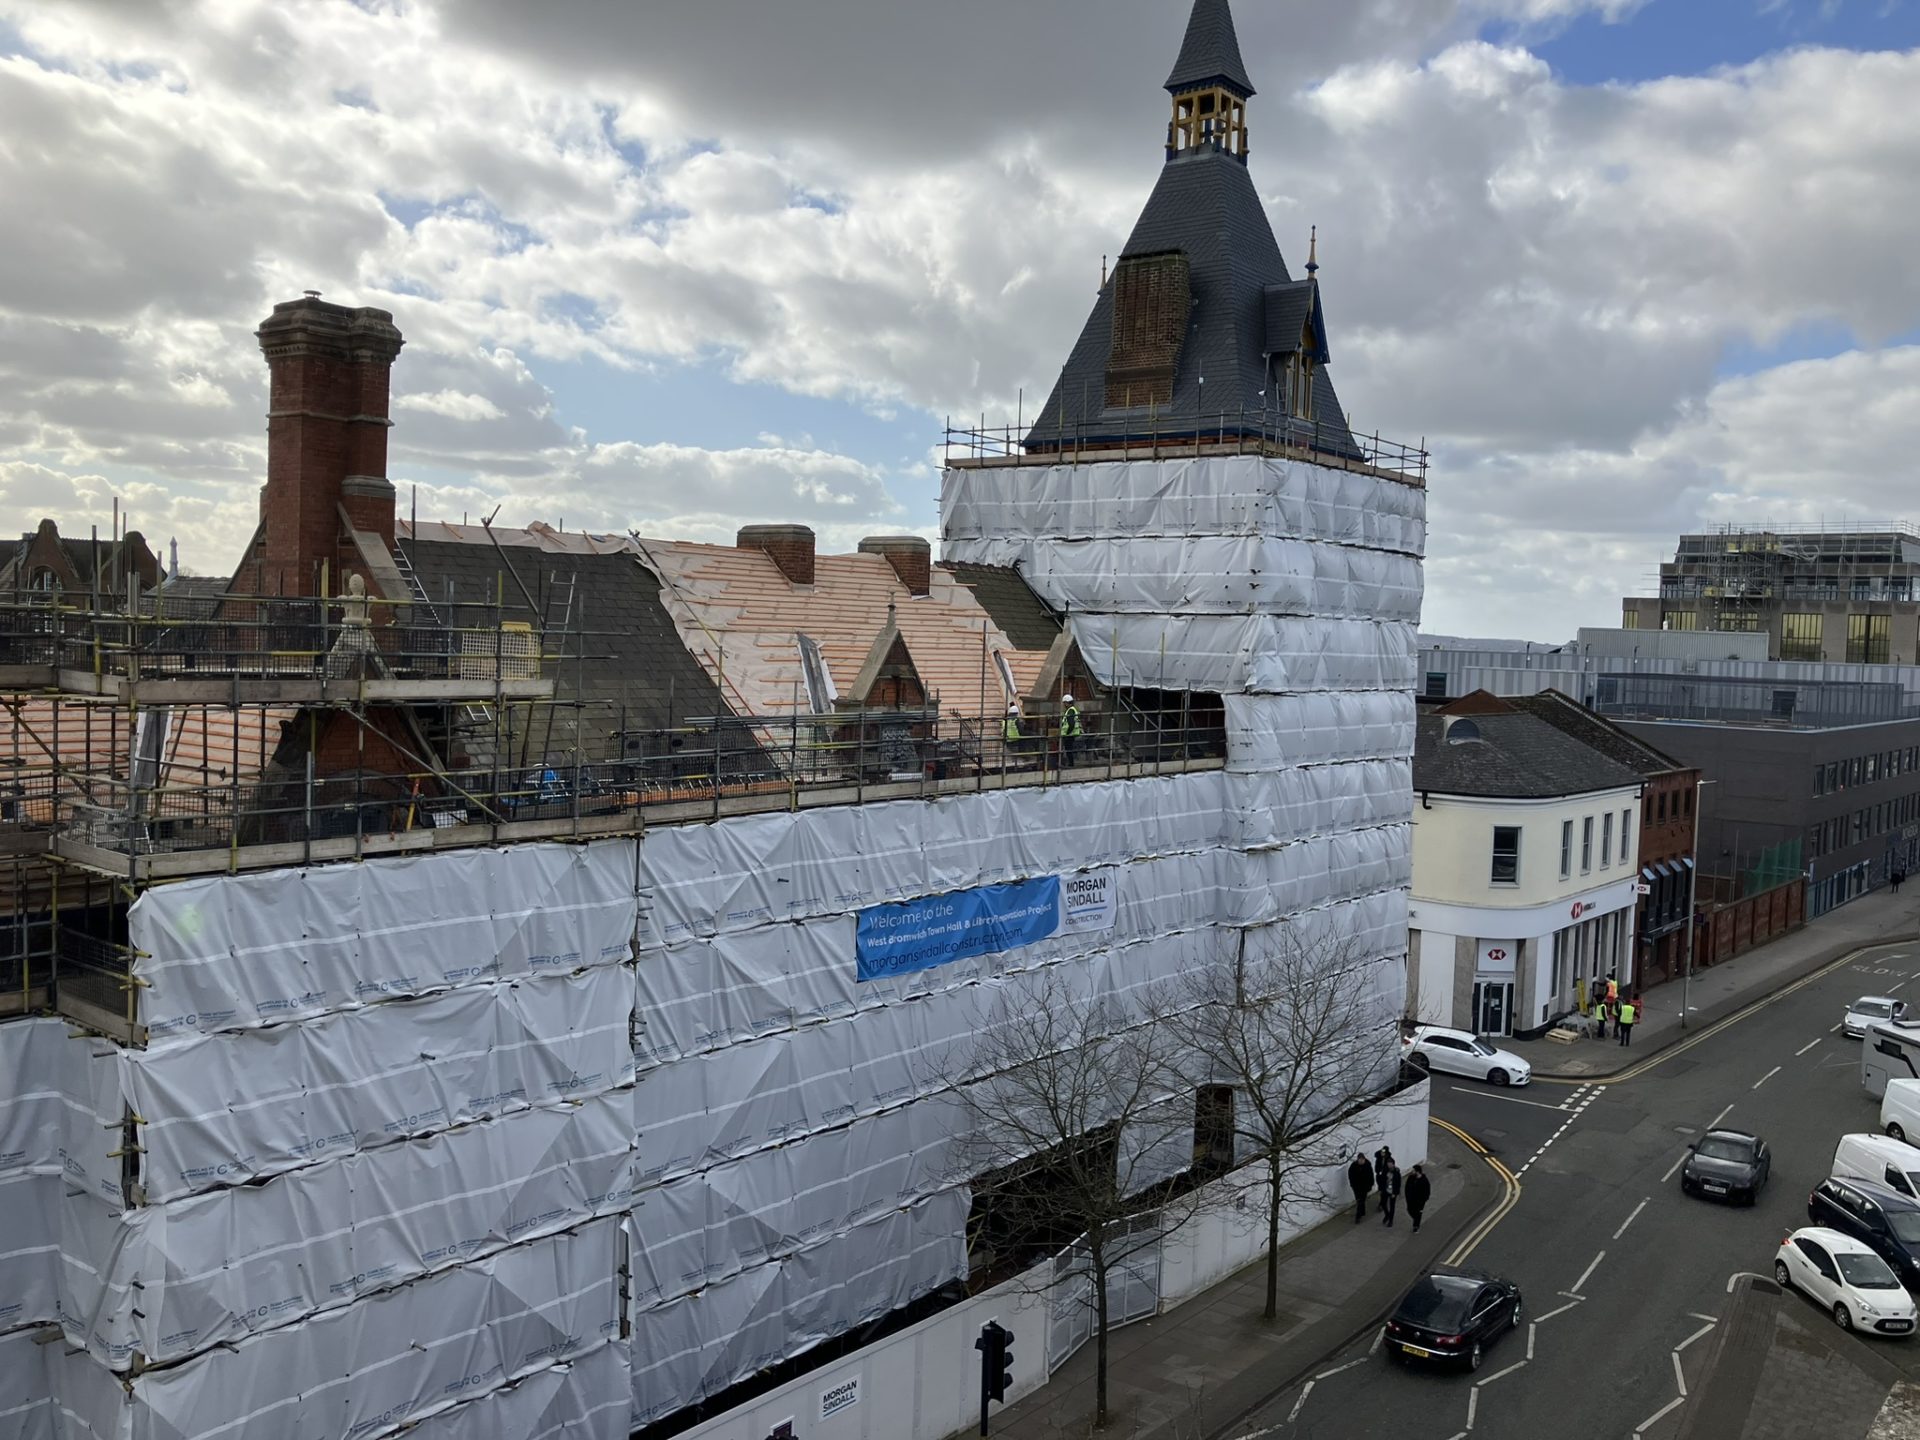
{"x": 910, "y": 935}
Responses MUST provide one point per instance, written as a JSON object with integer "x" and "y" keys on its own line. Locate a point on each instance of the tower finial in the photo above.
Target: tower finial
{"x": 1313, "y": 251}
{"x": 1209, "y": 86}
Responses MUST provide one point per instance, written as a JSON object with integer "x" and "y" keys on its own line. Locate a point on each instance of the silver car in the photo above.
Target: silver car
{"x": 1867, "y": 1010}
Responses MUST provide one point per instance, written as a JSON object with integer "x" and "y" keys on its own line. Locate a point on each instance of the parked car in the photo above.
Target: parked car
{"x": 1900, "y": 1109}
{"x": 1881, "y": 1159}
{"x": 1884, "y": 1219}
{"x": 1726, "y": 1164}
{"x": 1847, "y": 1279}
{"x": 1453, "y": 1315}
{"x": 1868, "y": 1008}
{"x": 1460, "y": 1052}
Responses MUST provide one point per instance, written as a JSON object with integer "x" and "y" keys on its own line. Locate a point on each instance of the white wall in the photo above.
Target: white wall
{"x": 1453, "y": 848}
{"x": 1433, "y": 1004}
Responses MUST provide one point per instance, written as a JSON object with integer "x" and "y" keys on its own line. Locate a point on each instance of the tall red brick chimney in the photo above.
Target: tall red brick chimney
{"x": 326, "y": 443}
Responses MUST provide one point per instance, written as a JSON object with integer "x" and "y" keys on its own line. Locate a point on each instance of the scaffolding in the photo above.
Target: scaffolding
{"x": 1737, "y": 576}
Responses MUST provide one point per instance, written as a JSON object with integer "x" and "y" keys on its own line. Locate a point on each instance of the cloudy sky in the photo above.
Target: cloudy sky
{"x": 1629, "y": 266}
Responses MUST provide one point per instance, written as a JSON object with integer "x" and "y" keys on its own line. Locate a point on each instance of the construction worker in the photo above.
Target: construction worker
{"x": 1011, "y": 737}
{"x": 1629, "y": 1012}
{"x": 1069, "y": 729}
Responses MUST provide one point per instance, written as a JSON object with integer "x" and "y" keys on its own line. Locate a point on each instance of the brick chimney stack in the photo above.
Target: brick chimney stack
{"x": 326, "y": 442}
{"x": 788, "y": 546}
{"x": 910, "y": 556}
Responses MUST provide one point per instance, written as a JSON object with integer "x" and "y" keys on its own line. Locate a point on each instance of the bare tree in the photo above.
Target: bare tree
{"x": 1078, "y": 1116}
{"x": 1302, "y": 1035}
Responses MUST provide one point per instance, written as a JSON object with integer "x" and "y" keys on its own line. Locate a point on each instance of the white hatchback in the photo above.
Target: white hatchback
{"x": 1460, "y": 1052}
{"x": 1867, "y": 1010}
{"x": 1845, "y": 1278}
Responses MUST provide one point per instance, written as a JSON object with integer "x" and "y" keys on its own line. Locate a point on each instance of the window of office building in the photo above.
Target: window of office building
{"x": 1566, "y": 848}
{"x": 1819, "y": 779}
{"x": 1586, "y": 844}
{"x": 1679, "y": 620}
{"x": 1630, "y": 620}
{"x": 1506, "y": 854}
{"x": 1606, "y": 840}
{"x": 1799, "y": 637}
{"x": 1626, "y": 822}
{"x": 1869, "y": 638}
{"x": 1660, "y": 807}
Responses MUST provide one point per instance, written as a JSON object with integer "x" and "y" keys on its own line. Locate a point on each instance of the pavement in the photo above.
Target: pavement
{"x": 1876, "y": 918}
{"x": 1197, "y": 1369}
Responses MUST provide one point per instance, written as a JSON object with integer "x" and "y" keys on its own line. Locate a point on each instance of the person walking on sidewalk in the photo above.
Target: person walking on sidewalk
{"x": 1382, "y": 1158}
{"x": 1360, "y": 1177}
{"x": 1389, "y": 1182}
{"x": 1419, "y": 1191}
{"x": 1898, "y": 876}
{"x": 1629, "y": 1012}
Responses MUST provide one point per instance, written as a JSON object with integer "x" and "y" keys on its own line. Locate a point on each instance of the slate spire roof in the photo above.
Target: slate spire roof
{"x": 1211, "y": 54}
{"x": 1218, "y": 306}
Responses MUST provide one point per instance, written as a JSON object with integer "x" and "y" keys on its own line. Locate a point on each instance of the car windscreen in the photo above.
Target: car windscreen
{"x": 1867, "y": 1272}
{"x": 1718, "y": 1147}
{"x": 1906, "y": 1227}
{"x": 1874, "y": 1009}
{"x": 1438, "y": 1302}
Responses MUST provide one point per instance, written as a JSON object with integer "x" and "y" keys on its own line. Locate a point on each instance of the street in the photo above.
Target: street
{"x": 1623, "y": 1277}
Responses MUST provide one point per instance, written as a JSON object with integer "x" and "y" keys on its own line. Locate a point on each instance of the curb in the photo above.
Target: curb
{"x": 1378, "y": 1317}
{"x": 1728, "y": 1009}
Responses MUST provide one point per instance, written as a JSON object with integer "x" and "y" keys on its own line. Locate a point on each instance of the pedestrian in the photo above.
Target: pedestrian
{"x": 1419, "y": 1191}
{"x": 1389, "y": 1181}
{"x": 1360, "y": 1177}
{"x": 1069, "y": 730}
{"x": 1898, "y": 876}
{"x": 1629, "y": 1013}
{"x": 1382, "y": 1158}
{"x": 1613, "y": 988}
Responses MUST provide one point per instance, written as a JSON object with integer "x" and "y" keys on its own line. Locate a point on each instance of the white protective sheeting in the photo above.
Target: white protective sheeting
{"x": 583, "y": 1399}
{"x": 1215, "y": 574}
{"x": 229, "y": 1108}
{"x": 1278, "y": 806}
{"x": 1225, "y": 654}
{"x": 30, "y": 1202}
{"x": 237, "y": 952}
{"x": 1270, "y": 732}
{"x": 755, "y": 870}
{"x": 26, "y": 1387}
{"x": 698, "y": 1345}
{"x": 1224, "y": 495}
{"x": 37, "y": 1070}
{"x": 398, "y": 1356}
{"x": 170, "y": 1281}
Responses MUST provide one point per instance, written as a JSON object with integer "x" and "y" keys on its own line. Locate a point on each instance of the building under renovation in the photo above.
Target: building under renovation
{"x": 479, "y": 982}
{"x": 1846, "y": 594}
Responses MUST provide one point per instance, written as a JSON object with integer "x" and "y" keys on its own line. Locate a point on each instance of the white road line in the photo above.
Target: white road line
{"x": 1501, "y": 1374}
{"x": 1473, "y": 1404}
{"x": 1718, "y": 1118}
{"x": 1532, "y": 1325}
{"x": 1696, "y": 1315}
{"x": 1542, "y": 1319}
{"x": 1294, "y": 1414}
{"x": 1834, "y": 1031}
{"x": 1703, "y": 1330}
{"x": 1675, "y": 1166}
{"x": 1329, "y": 1374}
{"x": 1804, "y": 1048}
{"x": 1378, "y": 1336}
{"x": 1657, "y": 1416}
{"x": 1516, "y": 1100}
{"x": 1581, "y": 1283}
{"x": 1896, "y": 985}
{"x": 1630, "y": 1219}
{"x": 1679, "y": 1375}
{"x": 1766, "y": 1077}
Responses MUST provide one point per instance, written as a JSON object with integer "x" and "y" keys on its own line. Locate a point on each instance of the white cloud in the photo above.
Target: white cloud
{"x": 453, "y": 404}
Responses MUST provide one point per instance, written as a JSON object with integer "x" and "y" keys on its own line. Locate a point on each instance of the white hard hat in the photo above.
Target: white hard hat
{"x": 1067, "y": 699}
{"x": 1012, "y": 708}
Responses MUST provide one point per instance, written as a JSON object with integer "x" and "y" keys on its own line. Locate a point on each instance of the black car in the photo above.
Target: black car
{"x": 1728, "y": 1165}
{"x": 1453, "y": 1315}
{"x": 1878, "y": 1215}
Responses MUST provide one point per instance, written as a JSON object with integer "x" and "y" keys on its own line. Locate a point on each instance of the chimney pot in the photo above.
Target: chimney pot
{"x": 788, "y": 546}
{"x": 911, "y": 558}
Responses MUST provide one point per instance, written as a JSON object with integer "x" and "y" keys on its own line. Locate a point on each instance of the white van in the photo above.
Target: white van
{"x": 1879, "y": 1158}
{"x": 1900, "y": 1110}
{"x": 1889, "y": 1052}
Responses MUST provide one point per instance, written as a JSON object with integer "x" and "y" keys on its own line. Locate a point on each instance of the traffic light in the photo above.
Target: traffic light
{"x": 996, "y": 1360}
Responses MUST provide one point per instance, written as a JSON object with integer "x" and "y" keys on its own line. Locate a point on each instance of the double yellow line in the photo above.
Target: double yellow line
{"x": 1508, "y": 1180}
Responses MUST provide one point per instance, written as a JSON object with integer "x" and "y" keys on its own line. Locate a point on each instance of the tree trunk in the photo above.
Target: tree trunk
{"x": 1273, "y": 1238}
{"x": 1096, "y": 1263}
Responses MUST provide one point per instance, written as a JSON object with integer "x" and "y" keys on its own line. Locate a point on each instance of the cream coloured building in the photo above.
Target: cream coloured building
{"x": 1524, "y": 869}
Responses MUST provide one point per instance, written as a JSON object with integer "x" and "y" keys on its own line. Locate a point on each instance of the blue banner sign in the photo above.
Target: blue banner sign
{"x": 920, "y": 934}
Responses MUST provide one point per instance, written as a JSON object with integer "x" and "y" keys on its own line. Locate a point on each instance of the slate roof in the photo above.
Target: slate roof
{"x": 1029, "y": 622}
{"x": 1205, "y": 206}
{"x": 1211, "y": 52}
{"x": 1289, "y": 307}
{"x": 1572, "y": 718}
{"x": 1518, "y": 756}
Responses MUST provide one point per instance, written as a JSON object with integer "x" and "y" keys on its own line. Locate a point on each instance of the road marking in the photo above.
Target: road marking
{"x": 1329, "y": 1374}
{"x": 1532, "y": 1325}
{"x": 1675, "y": 1166}
{"x": 1718, "y": 1118}
{"x": 1501, "y": 1374}
{"x": 1378, "y": 1336}
{"x": 1542, "y": 1319}
{"x": 1763, "y": 1079}
{"x": 1679, "y": 1375}
{"x": 1507, "y": 1178}
{"x": 1629, "y": 1220}
{"x": 1710, "y": 1319}
{"x": 1896, "y": 985}
{"x": 1657, "y": 1416}
{"x": 1703, "y": 1330}
{"x": 1834, "y": 1031}
{"x": 1473, "y": 1404}
{"x": 1804, "y": 1048}
{"x": 1515, "y": 1100}
{"x": 1294, "y": 1414}
{"x": 1580, "y": 1284}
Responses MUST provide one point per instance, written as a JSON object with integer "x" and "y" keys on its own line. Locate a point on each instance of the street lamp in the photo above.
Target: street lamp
{"x": 1693, "y": 890}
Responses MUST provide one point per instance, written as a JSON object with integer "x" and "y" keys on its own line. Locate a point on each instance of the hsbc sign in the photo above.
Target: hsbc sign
{"x": 1582, "y": 908}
